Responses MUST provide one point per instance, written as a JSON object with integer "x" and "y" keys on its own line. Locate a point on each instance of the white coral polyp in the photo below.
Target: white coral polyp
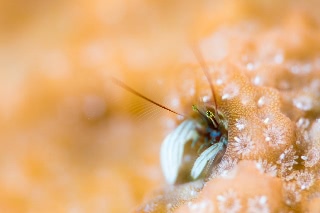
{"x": 241, "y": 123}
{"x": 314, "y": 133}
{"x": 258, "y": 204}
{"x": 303, "y": 102}
{"x": 311, "y": 158}
{"x": 267, "y": 168}
{"x": 303, "y": 123}
{"x": 305, "y": 179}
{"x": 229, "y": 202}
{"x": 204, "y": 206}
{"x": 292, "y": 195}
{"x": 224, "y": 167}
{"x": 274, "y": 135}
{"x": 243, "y": 145}
{"x": 286, "y": 161}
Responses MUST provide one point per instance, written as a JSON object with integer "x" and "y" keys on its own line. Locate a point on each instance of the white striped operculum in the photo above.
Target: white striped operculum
{"x": 206, "y": 156}
{"x": 172, "y": 148}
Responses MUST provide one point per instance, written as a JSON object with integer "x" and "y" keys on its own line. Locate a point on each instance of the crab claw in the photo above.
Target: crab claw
{"x": 172, "y": 149}
{"x": 207, "y": 155}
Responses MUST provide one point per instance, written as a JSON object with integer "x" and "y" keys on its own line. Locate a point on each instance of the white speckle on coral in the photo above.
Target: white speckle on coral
{"x": 169, "y": 206}
{"x": 305, "y": 179}
{"x": 169, "y": 123}
{"x": 243, "y": 145}
{"x": 205, "y": 98}
{"x": 188, "y": 83}
{"x": 257, "y": 80}
{"x": 229, "y": 202}
{"x": 284, "y": 85}
{"x": 219, "y": 81}
{"x": 266, "y": 118}
{"x": 193, "y": 193}
{"x": 291, "y": 194}
{"x": 204, "y": 206}
{"x": 150, "y": 207}
{"x": 261, "y": 101}
{"x": 258, "y": 204}
{"x": 301, "y": 68}
{"x": 245, "y": 99}
{"x": 241, "y": 123}
{"x": 192, "y": 91}
{"x": 314, "y": 133}
{"x": 303, "y": 102}
{"x": 303, "y": 123}
{"x": 175, "y": 102}
{"x": 311, "y": 158}
{"x": 230, "y": 91}
{"x": 274, "y": 135}
{"x": 289, "y": 176}
{"x": 250, "y": 66}
{"x": 266, "y": 121}
{"x": 278, "y": 58}
{"x": 266, "y": 167}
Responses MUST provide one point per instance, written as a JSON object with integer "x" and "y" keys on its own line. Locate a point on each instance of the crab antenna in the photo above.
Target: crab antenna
{"x": 129, "y": 89}
{"x": 205, "y": 69}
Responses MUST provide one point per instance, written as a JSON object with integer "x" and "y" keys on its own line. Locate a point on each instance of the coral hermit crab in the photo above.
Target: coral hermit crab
{"x": 206, "y": 130}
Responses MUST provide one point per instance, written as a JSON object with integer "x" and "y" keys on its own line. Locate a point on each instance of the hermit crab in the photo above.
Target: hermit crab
{"x": 206, "y": 130}
{"x": 209, "y": 130}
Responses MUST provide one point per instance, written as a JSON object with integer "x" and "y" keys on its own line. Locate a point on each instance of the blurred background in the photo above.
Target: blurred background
{"x": 71, "y": 141}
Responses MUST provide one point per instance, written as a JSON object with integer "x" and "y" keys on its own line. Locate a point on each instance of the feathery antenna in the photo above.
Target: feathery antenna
{"x": 129, "y": 89}
{"x": 205, "y": 69}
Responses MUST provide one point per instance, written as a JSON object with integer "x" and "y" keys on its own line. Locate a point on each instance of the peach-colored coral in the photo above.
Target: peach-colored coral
{"x": 267, "y": 86}
{"x": 255, "y": 192}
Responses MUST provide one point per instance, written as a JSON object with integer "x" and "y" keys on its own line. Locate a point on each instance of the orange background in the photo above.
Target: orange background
{"x": 68, "y": 141}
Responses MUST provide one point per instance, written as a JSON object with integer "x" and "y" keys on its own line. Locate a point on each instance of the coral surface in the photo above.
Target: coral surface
{"x": 268, "y": 86}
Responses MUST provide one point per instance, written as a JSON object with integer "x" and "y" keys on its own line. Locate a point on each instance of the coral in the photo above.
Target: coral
{"x": 292, "y": 195}
{"x": 267, "y": 168}
{"x": 269, "y": 94}
{"x": 224, "y": 167}
{"x": 258, "y": 192}
{"x": 229, "y": 202}
{"x": 241, "y": 123}
{"x": 287, "y": 160}
{"x": 305, "y": 179}
{"x": 312, "y": 157}
{"x": 258, "y": 204}
{"x": 243, "y": 145}
{"x": 273, "y": 135}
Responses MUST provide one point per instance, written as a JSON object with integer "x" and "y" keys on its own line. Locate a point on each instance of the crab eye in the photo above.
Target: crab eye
{"x": 209, "y": 114}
